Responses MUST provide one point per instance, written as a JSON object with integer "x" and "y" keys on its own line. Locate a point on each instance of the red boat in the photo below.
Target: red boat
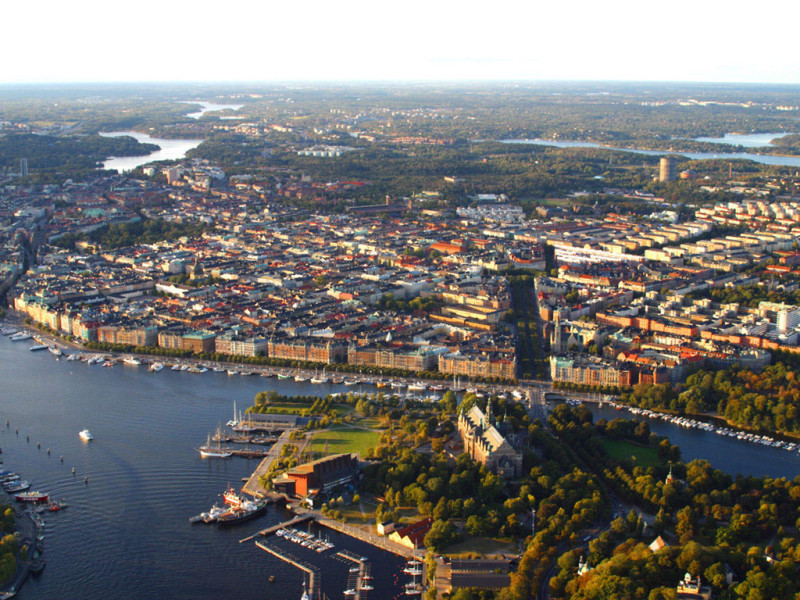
{"x": 232, "y": 498}
{"x": 31, "y": 497}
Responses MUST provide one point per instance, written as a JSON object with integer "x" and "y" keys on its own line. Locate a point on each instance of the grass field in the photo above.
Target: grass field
{"x": 345, "y": 440}
{"x": 354, "y": 514}
{"x": 291, "y": 408}
{"x": 641, "y": 456}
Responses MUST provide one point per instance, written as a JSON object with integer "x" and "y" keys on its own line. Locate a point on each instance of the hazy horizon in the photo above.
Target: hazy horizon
{"x": 356, "y": 40}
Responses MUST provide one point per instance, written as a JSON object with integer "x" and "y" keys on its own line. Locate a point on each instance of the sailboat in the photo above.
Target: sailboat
{"x": 319, "y": 379}
{"x": 209, "y": 451}
{"x": 413, "y": 568}
{"x": 234, "y": 421}
{"x": 305, "y": 595}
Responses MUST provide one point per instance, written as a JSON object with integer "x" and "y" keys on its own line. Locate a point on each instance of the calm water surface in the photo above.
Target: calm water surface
{"x": 766, "y": 159}
{"x": 727, "y": 454}
{"x": 209, "y": 107}
{"x": 169, "y": 150}
{"x": 126, "y": 533}
{"x": 751, "y": 140}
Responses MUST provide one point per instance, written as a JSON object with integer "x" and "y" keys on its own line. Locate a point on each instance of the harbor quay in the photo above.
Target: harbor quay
{"x": 313, "y": 571}
{"x": 365, "y": 535}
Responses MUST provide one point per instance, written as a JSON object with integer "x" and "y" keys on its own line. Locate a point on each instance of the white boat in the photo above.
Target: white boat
{"x": 213, "y": 514}
{"x": 132, "y": 360}
{"x": 156, "y": 367}
{"x": 17, "y": 486}
{"x": 217, "y": 451}
{"x": 54, "y": 350}
{"x": 38, "y": 347}
{"x": 21, "y": 336}
{"x": 86, "y": 435}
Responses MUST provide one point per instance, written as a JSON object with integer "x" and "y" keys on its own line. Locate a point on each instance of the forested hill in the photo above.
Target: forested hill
{"x": 49, "y": 153}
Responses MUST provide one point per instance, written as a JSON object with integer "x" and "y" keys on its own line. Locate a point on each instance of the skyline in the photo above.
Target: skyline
{"x": 355, "y": 41}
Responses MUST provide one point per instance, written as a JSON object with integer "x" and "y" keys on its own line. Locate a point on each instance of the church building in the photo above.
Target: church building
{"x": 486, "y": 445}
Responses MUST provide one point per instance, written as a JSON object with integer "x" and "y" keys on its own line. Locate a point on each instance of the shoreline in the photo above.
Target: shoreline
{"x": 23, "y": 525}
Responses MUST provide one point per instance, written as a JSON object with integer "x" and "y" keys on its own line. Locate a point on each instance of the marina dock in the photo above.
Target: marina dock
{"x": 356, "y": 584}
{"x": 372, "y": 538}
{"x": 313, "y": 573}
{"x": 285, "y": 525}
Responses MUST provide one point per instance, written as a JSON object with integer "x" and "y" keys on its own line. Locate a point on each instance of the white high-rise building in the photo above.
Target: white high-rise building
{"x": 788, "y": 318}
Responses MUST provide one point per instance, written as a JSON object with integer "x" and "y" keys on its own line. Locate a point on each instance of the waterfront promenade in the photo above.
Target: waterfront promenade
{"x": 365, "y": 534}
{"x": 254, "y": 487}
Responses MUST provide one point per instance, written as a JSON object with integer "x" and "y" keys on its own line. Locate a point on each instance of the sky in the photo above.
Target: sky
{"x": 383, "y": 40}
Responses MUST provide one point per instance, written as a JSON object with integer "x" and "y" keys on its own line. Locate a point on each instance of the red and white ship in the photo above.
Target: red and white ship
{"x": 31, "y": 497}
{"x": 232, "y": 498}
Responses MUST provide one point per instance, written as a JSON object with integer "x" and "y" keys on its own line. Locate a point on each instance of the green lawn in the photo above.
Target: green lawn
{"x": 641, "y": 456}
{"x": 345, "y": 440}
{"x": 294, "y": 408}
{"x": 354, "y": 514}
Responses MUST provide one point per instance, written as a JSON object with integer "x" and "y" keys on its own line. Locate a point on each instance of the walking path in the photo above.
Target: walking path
{"x": 364, "y": 534}
{"x": 254, "y": 487}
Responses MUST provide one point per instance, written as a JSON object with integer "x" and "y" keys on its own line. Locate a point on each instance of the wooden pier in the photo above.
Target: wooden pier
{"x": 313, "y": 573}
{"x": 286, "y": 524}
{"x": 365, "y": 535}
{"x": 357, "y": 583}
